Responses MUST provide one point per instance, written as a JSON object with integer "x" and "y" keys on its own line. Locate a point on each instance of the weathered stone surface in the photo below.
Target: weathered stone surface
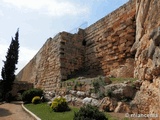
{"x": 72, "y": 53}
{"x": 156, "y": 36}
{"x": 121, "y": 91}
{"x": 68, "y": 98}
{"x": 133, "y": 107}
{"x": 87, "y": 100}
{"x": 126, "y": 70}
{"x": 147, "y": 68}
{"x": 111, "y": 42}
{"x": 151, "y": 50}
{"x": 94, "y": 95}
{"x": 90, "y": 101}
{"x": 52, "y": 94}
{"x": 137, "y": 84}
{"x": 108, "y": 104}
{"x": 95, "y": 102}
{"x": 73, "y": 92}
{"x": 20, "y": 87}
{"x": 78, "y": 102}
{"x": 122, "y": 108}
{"x": 81, "y": 94}
{"x": 47, "y": 97}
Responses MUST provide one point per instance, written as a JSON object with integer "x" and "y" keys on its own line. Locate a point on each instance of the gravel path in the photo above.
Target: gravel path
{"x": 13, "y": 111}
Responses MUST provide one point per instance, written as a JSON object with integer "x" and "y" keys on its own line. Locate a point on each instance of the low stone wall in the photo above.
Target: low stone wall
{"x": 20, "y": 87}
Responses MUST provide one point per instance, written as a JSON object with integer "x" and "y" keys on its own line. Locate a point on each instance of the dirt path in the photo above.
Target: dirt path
{"x": 13, "y": 111}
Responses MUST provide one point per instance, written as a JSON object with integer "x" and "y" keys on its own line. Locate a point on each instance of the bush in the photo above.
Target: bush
{"x": 98, "y": 84}
{"x": 60, "y": 105}
{"x": 109, "y": 93}
{"x": 89, "y": 112}
{"x": 9, "y": 97}
{"x": 28, "y": 95}
{"x": 36, "y": 100}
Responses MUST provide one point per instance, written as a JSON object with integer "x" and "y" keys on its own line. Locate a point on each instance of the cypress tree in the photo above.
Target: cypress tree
{"x": 9, "y": 68}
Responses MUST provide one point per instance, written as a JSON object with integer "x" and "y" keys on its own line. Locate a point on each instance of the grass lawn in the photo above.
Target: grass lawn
{"x": 44, "y": 112}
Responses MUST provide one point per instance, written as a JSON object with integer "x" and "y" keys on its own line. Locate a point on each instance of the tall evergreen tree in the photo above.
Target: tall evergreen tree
{"x": 9, "y": 68}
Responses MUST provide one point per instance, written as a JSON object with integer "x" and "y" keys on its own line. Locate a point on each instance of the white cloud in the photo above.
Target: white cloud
{"x": 50, "y": 7}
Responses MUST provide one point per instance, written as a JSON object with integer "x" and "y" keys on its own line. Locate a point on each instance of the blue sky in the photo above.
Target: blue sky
{"x": 40, "y": 19}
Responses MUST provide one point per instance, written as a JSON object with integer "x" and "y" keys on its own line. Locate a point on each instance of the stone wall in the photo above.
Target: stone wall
{"x": 44, "y": 69}
{"x": 108, "y": 43}
{"x": 59, "y": 58}
{"x": 20, "y": 87}
{"x": 146, "y": 47}
{"x": 101, "y": 49}
{"x": 72, "y": 54}
{"x": 124, "y": 41}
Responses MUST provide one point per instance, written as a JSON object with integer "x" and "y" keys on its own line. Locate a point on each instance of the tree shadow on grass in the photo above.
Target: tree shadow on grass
{"x": 4, "y": 112}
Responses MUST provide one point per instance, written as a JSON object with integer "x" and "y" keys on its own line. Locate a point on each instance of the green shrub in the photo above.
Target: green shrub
{"x": 96, "y": 86}
{"x": 89, "y": 112}
{"x": 9, "y": 97}
{"x": 18, "y": 97}
{"x": 109, "y": 93}
{"x": 36, "y": 100}
{"x": 29, "y": 94}
{"x": 60, "y": 105}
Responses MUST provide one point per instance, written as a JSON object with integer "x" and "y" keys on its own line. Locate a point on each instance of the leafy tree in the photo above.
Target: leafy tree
{"x": 9, "y": 68}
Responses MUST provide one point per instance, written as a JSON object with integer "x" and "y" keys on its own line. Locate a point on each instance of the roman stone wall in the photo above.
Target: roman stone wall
{"x": 72, "y": 54}
{"x": 20, "y": 87}
{"x": 123, "y": 43}
{"x": 44, "y": 69}
{"x": 101, "y": 49}
{"x": 108, "y": 43}
{"x": 59, "y": 58}
{"x": 147, "y": 65}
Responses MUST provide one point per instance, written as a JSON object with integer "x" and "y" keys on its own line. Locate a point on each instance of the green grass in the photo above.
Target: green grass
{"x": 120, "y": 80}
{"x": 114, "y": 80}
{"x": 110, "y": 117}
{"x": 71, "y": 80}
{"x": 44, "y": 112}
